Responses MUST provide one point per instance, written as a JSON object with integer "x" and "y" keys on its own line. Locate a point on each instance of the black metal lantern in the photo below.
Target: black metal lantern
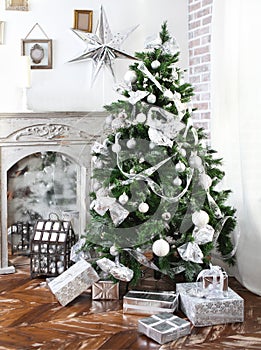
{"x": 50, "y": 247}
{"x": 21, "y": 233}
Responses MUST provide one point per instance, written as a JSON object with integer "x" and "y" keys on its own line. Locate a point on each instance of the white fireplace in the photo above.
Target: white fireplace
{"x": 69, "y": 133}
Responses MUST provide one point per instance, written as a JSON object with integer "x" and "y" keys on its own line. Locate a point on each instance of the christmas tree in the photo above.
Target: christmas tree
{"x": 154, "y": 200}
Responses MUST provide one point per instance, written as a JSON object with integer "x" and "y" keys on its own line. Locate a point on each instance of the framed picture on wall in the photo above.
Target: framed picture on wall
{"x": 83, "y": 20}
{"x": 17, "y": 5}
{"x": 39, "y": 51}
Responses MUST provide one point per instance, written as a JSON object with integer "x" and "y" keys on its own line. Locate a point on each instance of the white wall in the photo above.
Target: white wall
{"x": 67, "y": 87}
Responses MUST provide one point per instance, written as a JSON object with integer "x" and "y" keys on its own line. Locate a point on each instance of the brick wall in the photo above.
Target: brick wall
{"x": 199, "y": 35}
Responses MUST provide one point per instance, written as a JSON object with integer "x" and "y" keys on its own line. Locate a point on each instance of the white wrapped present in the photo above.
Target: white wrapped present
{"x": 204, "y": 311}
{"x": 75, "y": 280}
{"x": 164, "y": 327}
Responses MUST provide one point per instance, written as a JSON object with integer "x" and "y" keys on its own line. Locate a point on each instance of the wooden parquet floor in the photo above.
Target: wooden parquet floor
{"x": 31, "y": 318}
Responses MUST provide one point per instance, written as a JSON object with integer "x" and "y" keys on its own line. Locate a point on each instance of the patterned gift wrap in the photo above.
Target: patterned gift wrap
{"x": 206, "y": 312}
{"x": 149, "y": 303}
{"x": 106, "y": 290}
{"x": 75, "y": 280}
{"x": 164, "y": 327}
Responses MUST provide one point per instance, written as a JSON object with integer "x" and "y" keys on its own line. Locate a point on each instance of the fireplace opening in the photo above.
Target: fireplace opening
{"x": 39, "y": 185}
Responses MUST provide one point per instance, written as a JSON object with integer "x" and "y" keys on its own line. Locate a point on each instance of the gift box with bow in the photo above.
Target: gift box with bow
{"x": 203, "y": 309}
{"x": 215, "y": 280}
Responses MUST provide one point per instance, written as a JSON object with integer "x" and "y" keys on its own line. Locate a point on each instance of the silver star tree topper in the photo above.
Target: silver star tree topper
{"x": 103, "y": 47}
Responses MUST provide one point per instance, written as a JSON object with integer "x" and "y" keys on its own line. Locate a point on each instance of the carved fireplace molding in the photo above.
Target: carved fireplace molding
{"x": 69, "y": 133}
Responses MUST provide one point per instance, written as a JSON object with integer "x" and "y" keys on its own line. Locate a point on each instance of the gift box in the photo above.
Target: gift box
{"x": 209, "y": 281}
{"x": 75, "y": 280}
{"x": 106, "y": 290}
{"x": 214, "y": 279}
{"x": 149, "y": 303}
{"x": 202, "y": 311}
{"x": 164, "y": 327}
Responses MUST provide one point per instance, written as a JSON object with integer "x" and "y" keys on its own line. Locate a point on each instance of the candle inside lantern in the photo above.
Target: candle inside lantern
{"x": 25, "y": 72}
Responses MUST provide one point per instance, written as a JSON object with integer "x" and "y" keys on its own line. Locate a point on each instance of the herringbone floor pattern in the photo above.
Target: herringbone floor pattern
{"x": 31, "y": 318}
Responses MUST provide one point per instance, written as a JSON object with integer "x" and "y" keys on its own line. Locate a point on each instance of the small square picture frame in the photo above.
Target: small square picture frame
{"x": 16, "y": 5}
{"x": 83, "y": 20}
{"x": 39, "y": 51}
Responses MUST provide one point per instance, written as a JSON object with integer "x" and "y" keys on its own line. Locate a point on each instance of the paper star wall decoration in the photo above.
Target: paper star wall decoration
{"x": 103, "y": 47}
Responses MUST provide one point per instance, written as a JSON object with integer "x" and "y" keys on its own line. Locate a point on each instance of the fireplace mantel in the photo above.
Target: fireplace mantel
{"x": 22, "y": 134}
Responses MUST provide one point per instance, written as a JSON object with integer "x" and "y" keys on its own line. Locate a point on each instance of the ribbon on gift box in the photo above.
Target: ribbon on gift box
{"x": 117, "y": 270}
{"x": 216, "y": 278}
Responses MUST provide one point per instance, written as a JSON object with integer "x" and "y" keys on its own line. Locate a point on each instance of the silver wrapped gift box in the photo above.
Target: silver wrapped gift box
{"x": 149, "y": 303}
{"x": 164, "y": 327}
{"x": 106, "y": 290}
{"x": 206, "y": 312}
{"x": 75, "y": 280}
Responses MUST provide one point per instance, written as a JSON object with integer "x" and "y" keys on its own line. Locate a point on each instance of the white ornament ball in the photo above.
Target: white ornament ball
{"x": 143, "y": 207}
{"x": 200, "y": 218}
{"x": 168, "y": 94}
{"x": 155, "y": 64}
{"x": 151, "y": 98}
{"x": 131, "y": 143}
{"x": 160, "y": 247}
{"x": 114, "y": 250}
{"x": 177, "y": 181}
{"x": 141, "y": 118}
{"x": 152, "y": 145}
{"x": 183, "y": 152}
{"x": 123, "y": 199}
{"x": 166, "y": 216}
{"x": 116, "y": 148}
{"x": 130, "y": 77}
{"x": 195, "y": 162}
{"x": 180, "y": 167}
{"x": 205, "y": 181}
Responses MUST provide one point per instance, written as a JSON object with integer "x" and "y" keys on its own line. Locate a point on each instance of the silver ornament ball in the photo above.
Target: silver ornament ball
{"x": 166, "y": 216}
